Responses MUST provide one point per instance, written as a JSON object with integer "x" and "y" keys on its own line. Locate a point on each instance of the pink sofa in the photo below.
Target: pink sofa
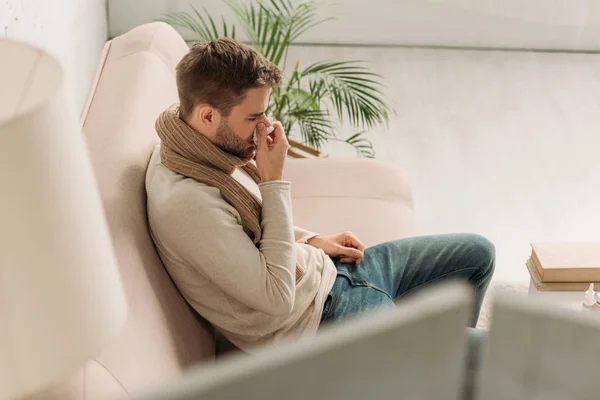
{"x": 163, "y": 335}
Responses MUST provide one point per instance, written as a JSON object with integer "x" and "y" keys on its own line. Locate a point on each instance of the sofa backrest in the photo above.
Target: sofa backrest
{"x": 162, "y": 334}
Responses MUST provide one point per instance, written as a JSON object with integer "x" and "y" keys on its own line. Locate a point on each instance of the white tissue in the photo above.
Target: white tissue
{"x": 270, "y": 129}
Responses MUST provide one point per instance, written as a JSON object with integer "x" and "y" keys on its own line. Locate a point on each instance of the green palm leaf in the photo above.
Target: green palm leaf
{"x": 315, "y": 126}
{"x": 354, "y": 91}
{"x": 289, "y": 98}
{"x": 265, "y": 28}
{"x": 363, "y": 146}
{"x": 298, "y": 16}
{"x": 205, "y": 28}
{"x": 301, "y": 99}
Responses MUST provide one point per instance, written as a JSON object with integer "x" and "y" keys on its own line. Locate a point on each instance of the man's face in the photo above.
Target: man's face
{"x": 235, "y": 132}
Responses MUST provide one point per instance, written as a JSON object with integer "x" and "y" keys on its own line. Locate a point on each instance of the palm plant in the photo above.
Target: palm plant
{"x": 304, "y": 101}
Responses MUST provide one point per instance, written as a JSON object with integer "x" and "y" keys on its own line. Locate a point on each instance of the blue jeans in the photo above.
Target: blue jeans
{"x": 395, "y": 269}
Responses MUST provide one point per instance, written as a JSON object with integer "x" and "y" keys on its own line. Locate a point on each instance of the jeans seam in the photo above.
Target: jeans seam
{"x": 435, "y": 279}
{"x": 379, "y": 290}
{"x": 366, "y": 284}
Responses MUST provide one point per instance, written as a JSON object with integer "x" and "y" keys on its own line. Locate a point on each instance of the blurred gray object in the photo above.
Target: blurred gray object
{"x": 415, "y": 352}
{"x": 539, "y": 351}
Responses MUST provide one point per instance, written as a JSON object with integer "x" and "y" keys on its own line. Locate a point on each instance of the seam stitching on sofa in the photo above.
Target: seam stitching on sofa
{"x": 148, "y": 49}
{"x": 139, "y": 52}
{"x": 96, "y": 83}
{"x": 158, "y": 56}
{"x": 114, "y": 377}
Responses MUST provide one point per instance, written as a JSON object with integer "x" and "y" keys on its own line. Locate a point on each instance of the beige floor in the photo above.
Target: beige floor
{"x": 500, "y": 143}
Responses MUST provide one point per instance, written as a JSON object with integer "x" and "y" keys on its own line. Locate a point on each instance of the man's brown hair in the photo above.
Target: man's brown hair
{"x": 219, "y": 73}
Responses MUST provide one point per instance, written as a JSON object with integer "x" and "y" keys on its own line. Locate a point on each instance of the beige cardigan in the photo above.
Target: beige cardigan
{"x": 248, "y": 292}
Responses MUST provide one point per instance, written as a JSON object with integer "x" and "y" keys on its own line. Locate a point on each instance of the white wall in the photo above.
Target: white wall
{"x": 471, "y": 23}
{"x": 72, "y": 30}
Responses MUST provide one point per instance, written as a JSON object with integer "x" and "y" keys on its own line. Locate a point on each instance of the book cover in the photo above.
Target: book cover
{"x": 567, "y": 261}
{"x": 556, "y": 286}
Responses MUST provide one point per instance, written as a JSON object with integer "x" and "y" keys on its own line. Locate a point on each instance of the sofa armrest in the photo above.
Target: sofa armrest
{"x": 371, "y": 198}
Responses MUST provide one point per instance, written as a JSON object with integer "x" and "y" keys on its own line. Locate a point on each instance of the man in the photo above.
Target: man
{"x": 223, "y": 225}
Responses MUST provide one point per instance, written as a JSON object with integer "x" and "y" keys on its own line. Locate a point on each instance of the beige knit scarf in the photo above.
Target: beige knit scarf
{"x": 191, "y": 154}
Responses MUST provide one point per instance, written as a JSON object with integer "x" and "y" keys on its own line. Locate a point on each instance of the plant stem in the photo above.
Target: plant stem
{"x": 279, "y": 103}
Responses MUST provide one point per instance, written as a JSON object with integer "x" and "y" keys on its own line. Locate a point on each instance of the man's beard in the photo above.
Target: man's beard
{"x": 231, "y": 143}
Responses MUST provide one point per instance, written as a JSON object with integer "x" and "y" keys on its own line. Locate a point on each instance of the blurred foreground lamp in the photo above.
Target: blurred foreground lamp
{"x": 61, "y": 297}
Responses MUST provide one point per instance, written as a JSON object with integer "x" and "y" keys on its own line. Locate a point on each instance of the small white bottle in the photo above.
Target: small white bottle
{"x": 590, "y": 299}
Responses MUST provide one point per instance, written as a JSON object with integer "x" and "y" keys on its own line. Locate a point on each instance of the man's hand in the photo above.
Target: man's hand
{"x": 271, "y": 151}
{"x": 344, "y": 245}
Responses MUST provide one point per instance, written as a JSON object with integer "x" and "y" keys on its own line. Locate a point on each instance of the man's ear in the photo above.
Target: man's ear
{"x": 207, "y": 119}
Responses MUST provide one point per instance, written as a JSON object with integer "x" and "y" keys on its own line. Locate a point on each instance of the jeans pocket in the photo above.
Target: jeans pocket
{"x": 354, "y": 280}
{"x": 328, "y": 307}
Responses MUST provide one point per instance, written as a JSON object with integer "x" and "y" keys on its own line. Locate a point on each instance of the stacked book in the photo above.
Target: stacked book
{"x": 568, "y": 266}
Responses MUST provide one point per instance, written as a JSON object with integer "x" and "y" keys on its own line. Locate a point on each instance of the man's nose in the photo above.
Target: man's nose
{"x": 265, "y": 120}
